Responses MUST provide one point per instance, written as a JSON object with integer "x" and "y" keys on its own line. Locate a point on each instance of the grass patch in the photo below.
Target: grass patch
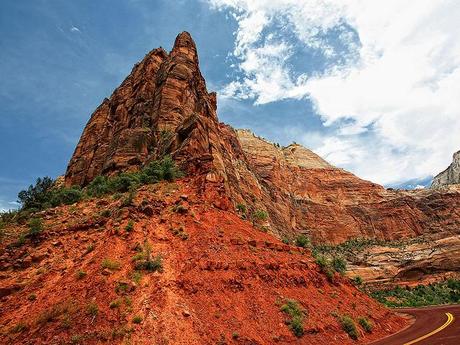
{"x": 35, "y": 227}
{"x": 296, "y": 316}
{"x": 115, "y": 303}
{"x": 130, "y": 226}
{"x": 110, "y": 264}
{"x": 80, "y": 274}
{"x": 137, "y": 319}
{"x": 349, "y": 326}
{"x": 180, "y": 232}
{"x": 302, "y": 241}
{"x": 136, "y": 277}
{"x": 366, "y": 324}
{"x": 260, "y": 215}
{"x": 92, "y": 309}
{"x": 89, "y": 248}
{"x": 60, "y": 310}
{"x": 144, "y": 260}
{"x": 446, "y": 292}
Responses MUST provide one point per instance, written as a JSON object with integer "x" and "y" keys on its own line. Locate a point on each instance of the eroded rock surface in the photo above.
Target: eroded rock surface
{"x": 450, "y": 176}
{"x": 421, "y": 262}
{"x": 163, "y": 107}
{"x": 303, "y": 193}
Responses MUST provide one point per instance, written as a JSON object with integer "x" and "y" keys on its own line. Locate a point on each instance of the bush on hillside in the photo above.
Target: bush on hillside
{"x": 38, "y": 195}
{"x": 35, "y": 227}
{"x": 349, "y": 326}
{"x": 339, "y": 265}
{"x": 445, "y": 292}
{"x": 45, "y": 194}
{"x": 296, "y": 314}
{"x": 302, "y": 241}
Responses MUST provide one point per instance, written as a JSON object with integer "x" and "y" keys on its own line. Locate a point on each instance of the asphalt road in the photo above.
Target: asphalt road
{"x": 432, "y": 326}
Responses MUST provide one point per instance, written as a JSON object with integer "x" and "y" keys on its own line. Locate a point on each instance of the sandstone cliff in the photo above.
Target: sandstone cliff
{"x": 450, "y": 176}
{"x": 163, "y": 107}
{"x": 303, "y": 193}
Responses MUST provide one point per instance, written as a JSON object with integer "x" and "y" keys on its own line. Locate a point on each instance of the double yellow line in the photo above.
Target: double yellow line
{"x": 450, "y": 319}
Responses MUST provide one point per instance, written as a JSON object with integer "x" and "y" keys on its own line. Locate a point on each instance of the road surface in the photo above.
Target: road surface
{"x": 433, "y": 326}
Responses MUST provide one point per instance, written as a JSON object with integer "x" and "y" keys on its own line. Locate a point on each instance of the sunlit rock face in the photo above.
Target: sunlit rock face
{"x": 163, "y": 107}
{"x": 450, "y": 176}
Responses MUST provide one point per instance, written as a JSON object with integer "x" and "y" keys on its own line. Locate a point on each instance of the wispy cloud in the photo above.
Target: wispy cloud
{"x": 393, "y": 98}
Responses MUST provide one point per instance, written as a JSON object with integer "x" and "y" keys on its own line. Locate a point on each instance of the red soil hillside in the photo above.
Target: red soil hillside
{"x": 223, "y": 281}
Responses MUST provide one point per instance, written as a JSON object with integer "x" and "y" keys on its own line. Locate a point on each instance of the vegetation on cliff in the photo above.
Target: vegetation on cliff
{"x": 445, "y": 292}
{"x": 46, "y": 193}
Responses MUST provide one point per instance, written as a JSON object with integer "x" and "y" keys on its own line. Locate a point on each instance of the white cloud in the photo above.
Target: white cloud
{"x": 75, "y": 29}
{"x": 8, "y": 205}
{"x": 399, "y": 98}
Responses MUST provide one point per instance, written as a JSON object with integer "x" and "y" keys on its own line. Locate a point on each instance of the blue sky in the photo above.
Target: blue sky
{"x": 306, "y": 71}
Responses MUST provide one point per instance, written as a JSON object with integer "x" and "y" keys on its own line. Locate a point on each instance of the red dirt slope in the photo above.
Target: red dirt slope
{"x": 223, "y": 280}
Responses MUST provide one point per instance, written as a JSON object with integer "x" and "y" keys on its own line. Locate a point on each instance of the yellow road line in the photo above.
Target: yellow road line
{"x": 450, "y": 319}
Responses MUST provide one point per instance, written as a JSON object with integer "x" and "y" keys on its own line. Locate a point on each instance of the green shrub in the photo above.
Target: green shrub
{"x": 144, "y": 260}
{"x": 325, "y": 266}
{"x": 37, "y": 195}
{"x": 445, "y": 292}
{"x": 92, "y": 309}
{"x": 366, "y": 324}
{"x": 105, "y": 213}
{"x": 296, "y": 314}
{"x": 98, "y": 187}
{"x": 241, "y": 208}
{"x": 153, "y": 265}
{"x": 260, "y": 215}
{"x": 66, "y": 196}
{"x": 339, "y": 264}
{"x": 35, "y": 227}
{"x": 115, "y": 304}
{"x": 302, "y": 241}
{"x": 110, "y": 264}
{"x": 130, "y": 226}
{"x": 348, "y": 325}
{"x": 81, "y": 274}
{"x": 322, "y": 262}
{"x": 357, "y": 280}
{"x": 45, "y": 194}
{"x": 137, "y": 319}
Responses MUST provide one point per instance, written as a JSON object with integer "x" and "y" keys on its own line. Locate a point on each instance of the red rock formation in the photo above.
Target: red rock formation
{"x": 158, "y": 106}
{"x": 223, "y": 281}
{"x": 164, "y": 107}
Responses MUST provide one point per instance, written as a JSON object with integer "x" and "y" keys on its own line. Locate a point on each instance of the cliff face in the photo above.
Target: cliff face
{"x": 163, "y": 107}
{"x": 450, "y": 176}
{"x": 303, "y": 193}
